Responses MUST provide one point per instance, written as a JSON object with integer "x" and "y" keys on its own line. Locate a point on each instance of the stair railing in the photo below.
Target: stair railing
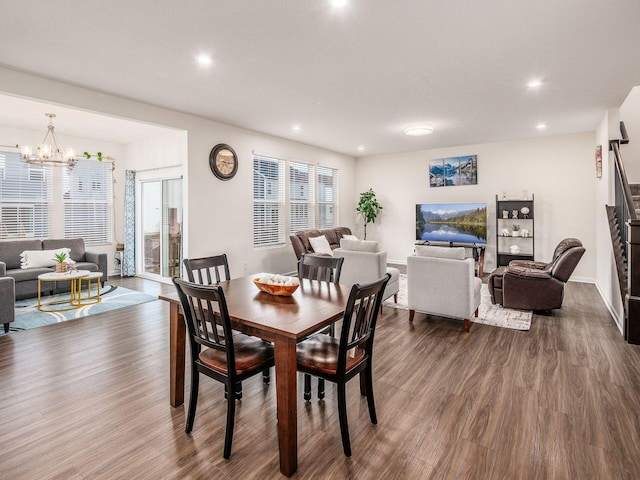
{"x": 625, "y": 209}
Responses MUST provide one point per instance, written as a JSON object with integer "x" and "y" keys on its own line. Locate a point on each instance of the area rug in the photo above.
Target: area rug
{"x": 488, "y": 314}
{"x": 113, "y": 297}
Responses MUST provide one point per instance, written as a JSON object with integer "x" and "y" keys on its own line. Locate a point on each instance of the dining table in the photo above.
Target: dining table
{"x": 283, "y": 320}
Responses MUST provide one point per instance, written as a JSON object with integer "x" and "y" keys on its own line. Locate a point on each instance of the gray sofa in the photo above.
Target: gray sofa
{"x": 25, "y": 281}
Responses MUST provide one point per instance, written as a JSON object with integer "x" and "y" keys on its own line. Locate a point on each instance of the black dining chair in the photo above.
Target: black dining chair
{"x": 203, "y": 271}
{"x": 199, "y": 270}
{"x": 339, "y": 360}
{"x": 324, "y": 269}
{"x": 216, "y": 350}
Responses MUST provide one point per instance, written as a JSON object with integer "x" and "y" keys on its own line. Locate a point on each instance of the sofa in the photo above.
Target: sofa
{"x": 26, "y": 279}
{"x": 528, "y": 285}
{"x": 300, "y": 240}
{"x": 364, "y": 263}
{"x": 441, "y": 281}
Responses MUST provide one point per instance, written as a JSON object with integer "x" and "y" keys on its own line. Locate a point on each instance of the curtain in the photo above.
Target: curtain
{"x": 129, "y": 256}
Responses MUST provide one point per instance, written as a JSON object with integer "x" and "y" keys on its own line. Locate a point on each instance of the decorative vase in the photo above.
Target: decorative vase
{"x": 61, "y": 267}
{"x": 515, "y": 233}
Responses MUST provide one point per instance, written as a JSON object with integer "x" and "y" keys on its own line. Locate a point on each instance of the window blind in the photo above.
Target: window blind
{"x": 301, "y": 197}
{"x": 25, "y": 198}
{"x": 327, "y": 197}
{"x": 87, "y": 198}
{"x": 268, "y": 201}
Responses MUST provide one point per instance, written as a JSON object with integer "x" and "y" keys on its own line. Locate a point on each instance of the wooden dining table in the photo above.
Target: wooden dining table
{"x": 282, "y": 320}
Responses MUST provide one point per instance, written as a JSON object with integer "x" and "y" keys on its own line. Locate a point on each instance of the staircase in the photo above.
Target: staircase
{"x": 619, "y": 251}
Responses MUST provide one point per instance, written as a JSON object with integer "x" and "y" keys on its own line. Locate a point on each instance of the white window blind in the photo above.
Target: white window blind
{"x": 87, "y": 197}
{"x": 268, "y": 201}
{"x": 327, "y": 197}
{"x": 25, "y": 198}
{"x": 301, "y": 197}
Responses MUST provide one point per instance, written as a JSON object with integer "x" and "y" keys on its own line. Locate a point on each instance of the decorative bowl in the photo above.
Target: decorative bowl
{"x": 280, "y": 290}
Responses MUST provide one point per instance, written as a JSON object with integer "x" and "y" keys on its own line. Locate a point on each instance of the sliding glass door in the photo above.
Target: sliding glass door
{"x": 160, "y": 227}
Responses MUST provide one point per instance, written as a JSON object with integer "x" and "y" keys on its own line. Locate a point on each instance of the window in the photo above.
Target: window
{"x": 87, "y": 198}
{"x": 25, "y": 198}
{"x": 311, "y": 199}
{"x": 327, "y": 197}
{"x": 301, "y": 197}
{"x": 268, "y": 201}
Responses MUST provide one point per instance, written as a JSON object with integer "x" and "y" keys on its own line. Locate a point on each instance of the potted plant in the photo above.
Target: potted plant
{"x": 61, "y": 262}
{"x": 369, "y": 208}
{"x": 516, "y": 230}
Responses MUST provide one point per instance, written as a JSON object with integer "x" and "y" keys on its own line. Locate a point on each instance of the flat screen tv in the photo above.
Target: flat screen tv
{"x": 452, "y": 223}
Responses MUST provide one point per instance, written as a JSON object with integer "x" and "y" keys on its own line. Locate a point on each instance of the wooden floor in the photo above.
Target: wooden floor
{"x": 89, "y": 399}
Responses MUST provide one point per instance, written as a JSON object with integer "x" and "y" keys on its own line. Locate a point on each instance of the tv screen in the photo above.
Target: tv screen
{"x": 452, "y": 223}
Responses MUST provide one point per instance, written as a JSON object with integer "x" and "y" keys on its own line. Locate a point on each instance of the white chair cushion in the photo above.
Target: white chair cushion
{"x": 321, "y": 245}
{"x": 350, "y": 237}
{"x": 40, "y": 258}
{"x": 359, "y": 245}
{"x": 455, "y": 253}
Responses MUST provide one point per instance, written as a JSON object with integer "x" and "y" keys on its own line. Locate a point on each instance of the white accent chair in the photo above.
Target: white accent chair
{"x": 441, "y": 281}
{"x": 364, "y": 263}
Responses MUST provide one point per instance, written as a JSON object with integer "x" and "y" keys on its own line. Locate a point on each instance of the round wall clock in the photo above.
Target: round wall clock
{"x": 223, "y": 161}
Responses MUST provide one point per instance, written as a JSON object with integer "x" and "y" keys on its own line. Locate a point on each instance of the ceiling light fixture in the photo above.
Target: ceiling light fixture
{"x": 541, "y": 126}
{"x": 204, "y": 60}
{"x": 418, "y": 130}
{"x": 296, "y": 128}
{"x": 361, "y": 148}
{"x": 49, "y": 154}
{"x": 534, "y": 84}
{"x": 338, "y": 3}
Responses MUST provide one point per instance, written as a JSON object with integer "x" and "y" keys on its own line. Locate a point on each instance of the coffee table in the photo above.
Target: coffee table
{"x": 93, "y": 276}
{"x": 74, "y": 301}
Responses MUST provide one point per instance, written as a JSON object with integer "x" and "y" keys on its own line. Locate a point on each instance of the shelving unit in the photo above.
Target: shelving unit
{"x": 509, "y": 247}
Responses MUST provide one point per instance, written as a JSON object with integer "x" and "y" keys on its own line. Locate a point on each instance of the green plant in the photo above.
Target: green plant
{"x": 515, "y": 227}
{"x": 369, "y": 208}
{"x": 60, "y": 257}
{"x": 98, "y": 156}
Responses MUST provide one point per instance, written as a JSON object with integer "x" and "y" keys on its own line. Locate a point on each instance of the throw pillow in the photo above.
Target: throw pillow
{"x": 40, "y": 258}
{"x": 321, "y": 245}
{"x": 350, "y": 237}
{"x": 359, "y": 245}
{"x": 455, "y": 253}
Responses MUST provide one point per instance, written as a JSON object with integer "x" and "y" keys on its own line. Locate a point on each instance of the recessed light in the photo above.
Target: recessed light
{"x": 361, "y": 148}
{"x": 534, "y": 84}
{"x": 204, "y": 59}
{"x": 296, "y": 128}
{"x": 541, "y": 126}
{"x": 418, "y": 130}
{"x": 338, "y": 3}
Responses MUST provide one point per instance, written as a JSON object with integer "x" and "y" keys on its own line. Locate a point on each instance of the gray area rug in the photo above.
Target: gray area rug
{"x": 488, "y": 314}
{"x": 113, "y": 297}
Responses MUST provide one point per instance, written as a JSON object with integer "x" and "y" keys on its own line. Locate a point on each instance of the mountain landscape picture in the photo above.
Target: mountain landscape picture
{"x": 452, "y": 223}
{"x": 453, "y": 171}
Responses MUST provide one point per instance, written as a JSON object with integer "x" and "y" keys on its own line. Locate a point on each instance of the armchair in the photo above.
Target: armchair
{"x": 441, "y": 281}
{"x": 364, "y": 263}
{"x": 536, "y": 285}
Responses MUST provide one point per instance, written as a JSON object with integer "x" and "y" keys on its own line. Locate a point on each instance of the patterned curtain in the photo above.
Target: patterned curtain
{"x": 129, "y": 256}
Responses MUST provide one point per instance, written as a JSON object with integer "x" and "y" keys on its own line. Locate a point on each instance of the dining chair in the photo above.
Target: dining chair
{"x": 339, "y": 360}
{"x": 199, "y": 269}
{"x": 216, "y": 350}
{"x": 324, "y": 269}
{"x": 203, "y": 271}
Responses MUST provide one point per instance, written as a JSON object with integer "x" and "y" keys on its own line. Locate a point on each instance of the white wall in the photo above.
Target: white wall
{"x": 559, "y": 171}
{"x": 630, "y": 115}
{"x": 219, "y": 214}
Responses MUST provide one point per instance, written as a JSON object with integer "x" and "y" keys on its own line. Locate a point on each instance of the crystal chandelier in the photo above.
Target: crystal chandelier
{"x": 49, "y": 154}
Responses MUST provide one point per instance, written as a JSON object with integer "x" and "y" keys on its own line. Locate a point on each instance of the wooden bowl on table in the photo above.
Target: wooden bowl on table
{"x": 280, "y": 290}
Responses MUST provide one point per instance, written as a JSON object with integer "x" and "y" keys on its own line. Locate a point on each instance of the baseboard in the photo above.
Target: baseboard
{"x": 612, "y": 312}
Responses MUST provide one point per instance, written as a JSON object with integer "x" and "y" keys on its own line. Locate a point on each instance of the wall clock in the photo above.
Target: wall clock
{"x": 223, "y": 161}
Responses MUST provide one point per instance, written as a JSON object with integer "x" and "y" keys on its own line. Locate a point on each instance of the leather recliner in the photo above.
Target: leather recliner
{"x": 536, "y": 285}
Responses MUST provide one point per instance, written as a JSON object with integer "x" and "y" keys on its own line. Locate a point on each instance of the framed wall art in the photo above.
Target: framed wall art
{"x": 453, "y": 171}
{"x": 599, "y": 161}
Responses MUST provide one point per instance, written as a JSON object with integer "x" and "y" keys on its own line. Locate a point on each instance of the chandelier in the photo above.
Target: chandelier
{"x": 49, "y": 154}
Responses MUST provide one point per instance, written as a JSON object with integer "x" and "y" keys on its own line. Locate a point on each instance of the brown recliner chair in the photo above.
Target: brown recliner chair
{"x": 536, "y": 285}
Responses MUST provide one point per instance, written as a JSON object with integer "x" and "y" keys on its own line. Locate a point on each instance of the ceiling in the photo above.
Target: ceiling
{"x": 348, "y": 77}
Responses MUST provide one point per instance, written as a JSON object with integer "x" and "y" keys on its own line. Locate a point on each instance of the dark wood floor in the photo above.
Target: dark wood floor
{"x": 89, "y": 399}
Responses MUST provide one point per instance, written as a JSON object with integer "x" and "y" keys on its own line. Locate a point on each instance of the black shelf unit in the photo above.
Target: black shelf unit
{"x": 511, "y": 212}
